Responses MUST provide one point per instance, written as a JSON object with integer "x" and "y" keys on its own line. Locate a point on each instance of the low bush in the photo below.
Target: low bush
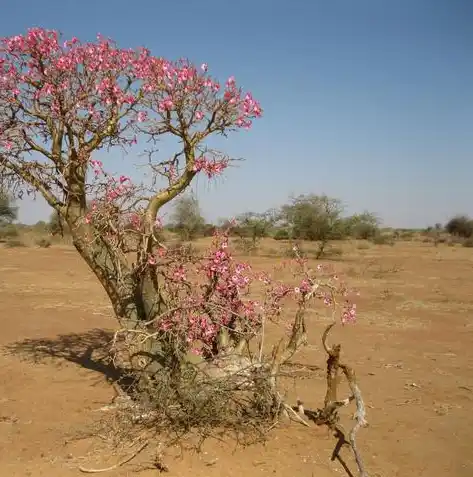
{"x": 43, "y": 243}
{"x": 14, "y": 243}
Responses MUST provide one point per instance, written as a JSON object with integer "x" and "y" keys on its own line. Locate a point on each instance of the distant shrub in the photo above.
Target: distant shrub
{"x": 365, "y": 230}
{"x": 14, "y": 243}
{"x": 406, "y": 235}
{"x": 281, "y": 234}
{"x": 43, "y": 243}
{"x": 8, "y": 231}
{"x": 468, "y": 242}
{"x": 331, "y": 252}
{"x": 246, "y": 245}
{"x": 383, "y": 240}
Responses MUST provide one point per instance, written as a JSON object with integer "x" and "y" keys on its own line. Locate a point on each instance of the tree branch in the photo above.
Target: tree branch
{"x": 34, "y": 181}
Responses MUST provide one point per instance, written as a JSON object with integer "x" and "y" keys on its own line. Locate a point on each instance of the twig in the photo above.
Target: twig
{"x": 297, "y": 418}
{"x": 118, "y": 464}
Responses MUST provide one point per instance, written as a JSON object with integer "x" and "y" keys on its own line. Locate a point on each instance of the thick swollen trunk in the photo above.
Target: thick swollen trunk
{"x": 134, "y": 303}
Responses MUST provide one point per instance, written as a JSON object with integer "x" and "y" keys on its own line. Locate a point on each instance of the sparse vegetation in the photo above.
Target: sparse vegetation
{"x": 204, "y": 340}
{"x": 14, "y": 243}
{"x": 383, "y": 239}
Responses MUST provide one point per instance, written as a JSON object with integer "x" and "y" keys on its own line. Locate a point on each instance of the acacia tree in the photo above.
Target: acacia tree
{"x": 362, "y": 226}
{"x": 313, "y": 217}
{"x": 186, "y": 218}
{"x": 63, "y": 102}
{"x": 255, "y": 226}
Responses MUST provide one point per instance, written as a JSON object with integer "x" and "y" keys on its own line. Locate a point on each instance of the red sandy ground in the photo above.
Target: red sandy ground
{"x": 411, "y": 348}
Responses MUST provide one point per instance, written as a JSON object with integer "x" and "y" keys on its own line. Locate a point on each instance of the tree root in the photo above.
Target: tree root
{"x": 118, "y": 464}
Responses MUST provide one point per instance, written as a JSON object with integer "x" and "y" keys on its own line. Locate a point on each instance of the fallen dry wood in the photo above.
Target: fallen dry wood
{"x": 329, "y": 414}
{"x": 118, "y": 464}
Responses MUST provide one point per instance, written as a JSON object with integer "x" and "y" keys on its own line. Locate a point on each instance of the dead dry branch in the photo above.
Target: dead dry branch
{"x": 328, "y": 415}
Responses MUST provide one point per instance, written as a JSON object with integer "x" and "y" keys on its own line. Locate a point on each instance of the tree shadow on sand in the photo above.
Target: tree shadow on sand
{"x": 90, "y": 350}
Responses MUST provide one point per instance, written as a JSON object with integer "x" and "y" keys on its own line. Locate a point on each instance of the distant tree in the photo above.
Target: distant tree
{"x": 8, "y": 212}
{"x": 281, "y": 234}
{"x": 314, "y": 217}
{"x": 255, "y": 226}
{"x": 363, "y": 226}
{"x": 186, "y": 218}
{"x": 460, "y": 225}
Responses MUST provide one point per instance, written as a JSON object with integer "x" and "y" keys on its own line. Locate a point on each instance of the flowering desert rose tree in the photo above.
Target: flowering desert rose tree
{"x": 61, "y": 102}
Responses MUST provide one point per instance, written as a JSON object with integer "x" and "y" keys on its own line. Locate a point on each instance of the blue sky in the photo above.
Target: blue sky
{"x": 370, "y": 101}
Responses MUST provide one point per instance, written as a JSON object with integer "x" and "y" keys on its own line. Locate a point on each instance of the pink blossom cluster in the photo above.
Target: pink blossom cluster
{"x": 110, "y": 192}
{"x": 202, "y": 310}
{"x": 326, "y": 288}
{"x": 85, "y": 81}
{"x": 220, "y": 302}
{"x": 210, "y": 167}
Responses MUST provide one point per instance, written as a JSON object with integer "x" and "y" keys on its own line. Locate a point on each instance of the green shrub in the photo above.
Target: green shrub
{"x": 383, "y": 240}
{"x": 281, "y": 234}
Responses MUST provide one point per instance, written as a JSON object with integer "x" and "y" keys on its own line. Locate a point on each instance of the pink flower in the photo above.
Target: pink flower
{"x": 349, "y": 313}
{"x": 142, "y": 116}
{"x": 166, "y": 105}
{"x": 211, "y": 168}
